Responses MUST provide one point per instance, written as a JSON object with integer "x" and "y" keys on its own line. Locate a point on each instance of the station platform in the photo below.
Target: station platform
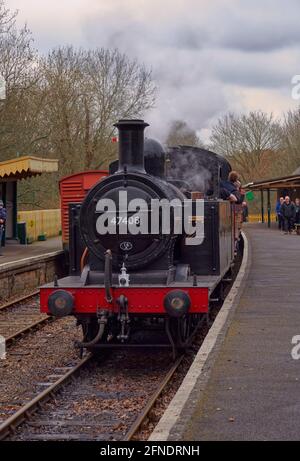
{"x": 24, "y": 268}
{"x": 253, "y": 392}
{"x": 14, "y": 252}
{"x": 244, "y": 383}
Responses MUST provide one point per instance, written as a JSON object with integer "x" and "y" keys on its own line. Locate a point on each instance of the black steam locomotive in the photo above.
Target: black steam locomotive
{"x": 148, "y": 245}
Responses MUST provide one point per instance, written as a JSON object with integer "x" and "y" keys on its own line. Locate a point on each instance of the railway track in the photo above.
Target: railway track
{"x": 25, "y": 412}
{"x": 144, "y": 414}
{"x": 13, "y": 301}
{"x": 77, "y": 405}
{"x": 20, "y": 316}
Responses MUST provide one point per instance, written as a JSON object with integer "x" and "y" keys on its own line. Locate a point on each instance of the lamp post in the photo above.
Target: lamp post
{"x": 2, "y": 99}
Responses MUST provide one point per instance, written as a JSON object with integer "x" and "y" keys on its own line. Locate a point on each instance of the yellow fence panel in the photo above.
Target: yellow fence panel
{"x": 40, "y": 222}
{"x": 257, "y": 217}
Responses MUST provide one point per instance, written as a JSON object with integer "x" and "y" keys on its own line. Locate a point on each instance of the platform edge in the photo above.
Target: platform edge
{"x": 24, "y": 262}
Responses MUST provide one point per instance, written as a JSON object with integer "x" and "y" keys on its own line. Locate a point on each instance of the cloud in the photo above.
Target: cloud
{"x": 255, "y": 26}
{"x": 207, "y": 56}
{"x": 260, "y": 70}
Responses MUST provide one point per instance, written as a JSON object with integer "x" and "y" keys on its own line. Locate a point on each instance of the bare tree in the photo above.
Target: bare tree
{"x": 64, "y": 105}
{"x": 291, "y": 140}
{"x": 18, "y": 62}
{"x": 86, "y": 93}
{"x": 251, "y": 142}
{"x": 7, "y": 18}
{"x": 180, "y": 134}
{"x": 118, "y": 88}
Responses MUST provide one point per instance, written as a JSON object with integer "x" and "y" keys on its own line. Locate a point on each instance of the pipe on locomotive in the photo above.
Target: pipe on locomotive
{"x": 131, "y": 145}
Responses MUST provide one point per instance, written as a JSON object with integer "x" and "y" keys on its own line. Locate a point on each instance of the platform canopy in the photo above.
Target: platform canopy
{"x": 25, "y": 167}
{"x": 283, "y": 182}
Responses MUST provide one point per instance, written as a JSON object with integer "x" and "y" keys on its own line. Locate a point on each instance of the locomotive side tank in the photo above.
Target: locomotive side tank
{"x": 127, "y": 282}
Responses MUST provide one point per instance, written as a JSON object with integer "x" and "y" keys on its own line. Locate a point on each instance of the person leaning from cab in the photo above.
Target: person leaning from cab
{"x": 288, "y": 212}
{"x": 231, "y": 189}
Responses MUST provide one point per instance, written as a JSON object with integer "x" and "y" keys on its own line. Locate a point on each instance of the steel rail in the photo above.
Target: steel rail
{"x": 151, "y": 402}
{"x": 10, "y": 339}
{"x": 24, "y": 413}
{"x": 11, "y": 302}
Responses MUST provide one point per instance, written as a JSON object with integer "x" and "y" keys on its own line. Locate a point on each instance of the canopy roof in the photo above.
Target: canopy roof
{"x": 283, "y": 182}
{"x": 25, "y": 167}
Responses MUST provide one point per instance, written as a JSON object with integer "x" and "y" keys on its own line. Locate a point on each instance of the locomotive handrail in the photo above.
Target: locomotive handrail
{"x": 108, "y": 276}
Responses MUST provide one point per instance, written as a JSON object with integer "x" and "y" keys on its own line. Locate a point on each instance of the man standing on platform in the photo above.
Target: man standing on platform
{"x": 2, "y": 222}
{"x": 278, "y": 212}
{"x": 288, "y": 212}
{"x": 245, "y": 212}
{"x": 297, "y": 210}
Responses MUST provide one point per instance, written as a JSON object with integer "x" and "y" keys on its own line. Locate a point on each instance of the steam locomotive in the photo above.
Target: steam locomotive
{"x": 149, "y": 243}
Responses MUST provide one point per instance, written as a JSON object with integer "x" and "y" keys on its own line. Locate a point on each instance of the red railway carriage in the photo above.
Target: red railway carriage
{"x": 73, "y": 189}
{"x": 123, "y": 283}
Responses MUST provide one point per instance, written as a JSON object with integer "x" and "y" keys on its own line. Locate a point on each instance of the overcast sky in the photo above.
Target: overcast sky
{"x": 207, "y": 56}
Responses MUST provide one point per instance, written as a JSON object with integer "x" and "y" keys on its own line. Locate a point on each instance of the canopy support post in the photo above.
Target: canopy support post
{"x": 262, "y": 206}
{"x": 269, "y": 208}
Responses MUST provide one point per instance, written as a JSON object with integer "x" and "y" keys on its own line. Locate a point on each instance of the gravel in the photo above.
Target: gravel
{"x": 31, "y": 359}
{"x": 19, "y": 316}
{"x": 103, "y": 402}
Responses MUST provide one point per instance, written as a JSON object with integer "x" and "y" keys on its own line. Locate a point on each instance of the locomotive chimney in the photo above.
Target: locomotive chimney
{"x": 131, "y": 145}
